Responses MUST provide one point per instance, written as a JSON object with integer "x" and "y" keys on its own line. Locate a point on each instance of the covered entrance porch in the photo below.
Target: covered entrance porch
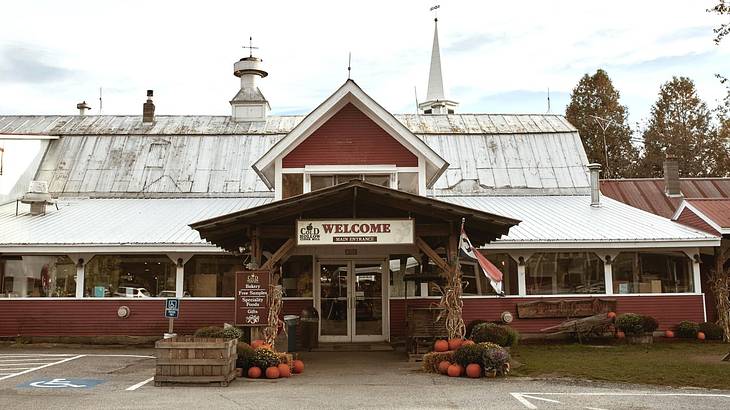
{"x": 353, "y": 231}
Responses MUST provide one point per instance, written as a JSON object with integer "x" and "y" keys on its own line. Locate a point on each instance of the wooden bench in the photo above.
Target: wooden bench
{"x": 423, "y": 329}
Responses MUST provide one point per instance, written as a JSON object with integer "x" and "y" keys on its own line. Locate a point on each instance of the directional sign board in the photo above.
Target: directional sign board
{"x": 62, "y": 383}
{"x": 172, "y": 308}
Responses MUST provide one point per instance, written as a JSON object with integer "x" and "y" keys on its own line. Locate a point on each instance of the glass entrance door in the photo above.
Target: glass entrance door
{"x": 352, "y": 304}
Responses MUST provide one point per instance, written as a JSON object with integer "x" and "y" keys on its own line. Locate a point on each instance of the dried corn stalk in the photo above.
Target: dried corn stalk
{"x": 720, "y": 284}
{"x": 452, "y": 305}
{"x": 275, "y": 304}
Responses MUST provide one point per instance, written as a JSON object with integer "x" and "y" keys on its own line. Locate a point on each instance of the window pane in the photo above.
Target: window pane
{"x": 320, "y": 181}
{"x": 211, "y": 275}
{"x": 669, "y": 272}
{"x": 135, "y": 276}
{"x": 382, "y": 180}
{"x": 37, "y": 276}
{"x": 341, "y": 179}
{"x": 471, "y": 283}
{"x": 564, "y": 273}
{"x": 404, "y": 267}
{"x": 297, "y": 276}
{"x": 408, "y": 182}
{"x": 291, "y": 185}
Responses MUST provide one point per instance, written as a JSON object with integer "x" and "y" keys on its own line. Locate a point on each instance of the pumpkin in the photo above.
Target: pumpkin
{"x": 254, "y": 372}
{"x": 455, "y": 370}
{"x": 298, "y": 366}
{"x": 669, "y": 333}
{"x": 620, "y": 335}
{"x": 455, "y": 343}
{"x": 257, "y": 343}
{"x": 444, "y": 366}
{"x": 272, "y": 373}
{"x": 441, "y": 345}
{"x": 284, "y": 370}
{"x": 474, "y": 371}
{"x": 611, "y": 315}
{"x": 701, "y": 335}
{"x": 467, "y": 342}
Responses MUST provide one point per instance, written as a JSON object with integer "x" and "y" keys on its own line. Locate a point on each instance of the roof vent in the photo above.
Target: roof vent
{"x": 148, "y": 109}
{"x": 82, "y": 107}
{"x": 38, "y": 197}
{"x": 595, "y": 170}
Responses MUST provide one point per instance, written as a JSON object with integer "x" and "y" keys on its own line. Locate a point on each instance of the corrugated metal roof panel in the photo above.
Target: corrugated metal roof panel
{"x": 718, "y": 210}
{"x": 116, "y": 221}
{"x": 548, "y": 219}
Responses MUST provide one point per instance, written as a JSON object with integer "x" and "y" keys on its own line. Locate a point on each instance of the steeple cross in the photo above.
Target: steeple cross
{"x": 250, "y": 47}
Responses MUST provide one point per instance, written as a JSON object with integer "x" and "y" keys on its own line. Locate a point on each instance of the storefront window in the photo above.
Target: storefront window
{"x": 408, "y": 182}
{"x": 324, "y": 181}
{"x": 403, "y": 269}
{"x": 508, "y": 267}
{"x": 564, "y": 273}
{"x": 639, "y": 272}
{"x": 211, "y": 275}
{"x": 37, "y": 276}
{"x": 297, "y": 276}
{"x": 131, "y": 276}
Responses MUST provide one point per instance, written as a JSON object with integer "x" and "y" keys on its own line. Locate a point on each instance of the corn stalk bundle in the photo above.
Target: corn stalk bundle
{"x": 275, "y": 304}
{"x": 720, "y": 283}
{"x": 452, "y": 305}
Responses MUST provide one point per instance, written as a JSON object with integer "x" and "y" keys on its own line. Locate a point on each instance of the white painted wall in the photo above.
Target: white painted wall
{"x": 20, "y": 163}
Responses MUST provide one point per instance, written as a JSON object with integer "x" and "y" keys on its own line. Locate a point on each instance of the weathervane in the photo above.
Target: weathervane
{"x": 250, "y": 47}
{"x": 349, "y": 64}
{"x": 435, "y": 12}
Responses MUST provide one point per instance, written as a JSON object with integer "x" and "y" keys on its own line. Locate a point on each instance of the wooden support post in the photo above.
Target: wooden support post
{"x": 279, "y": 254}
{"x": 426, "y": 249}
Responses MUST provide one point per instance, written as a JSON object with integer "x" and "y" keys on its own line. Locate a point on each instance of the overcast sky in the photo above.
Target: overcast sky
{"x": 498, "y": 56}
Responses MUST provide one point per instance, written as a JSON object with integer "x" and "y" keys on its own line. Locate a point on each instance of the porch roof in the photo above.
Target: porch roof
{"x": 354, "y": 199}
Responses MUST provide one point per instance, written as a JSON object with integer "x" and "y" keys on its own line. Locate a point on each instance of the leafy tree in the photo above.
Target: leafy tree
{"x": 680, "y": 124}
{"x": 595, "y": 111}
{"x": 721, "y": 8}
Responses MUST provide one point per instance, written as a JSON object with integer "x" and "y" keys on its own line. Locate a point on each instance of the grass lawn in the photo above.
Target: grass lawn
{"x": 675, "y": 363}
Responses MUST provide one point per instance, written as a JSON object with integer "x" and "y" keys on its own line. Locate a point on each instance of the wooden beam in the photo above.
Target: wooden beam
{"x": 432, "y": 229}
{"x": 279, "y": 254}
{"x": 277, "y": 231}
{"x": 426, "y": 249}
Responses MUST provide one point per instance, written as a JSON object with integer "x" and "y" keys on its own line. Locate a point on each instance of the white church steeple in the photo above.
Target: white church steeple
{"x": 436, "y": 102}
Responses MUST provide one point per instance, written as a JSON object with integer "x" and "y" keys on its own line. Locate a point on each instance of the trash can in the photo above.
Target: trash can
{"x": 291, "y": 331}
{"x": 310, "y": 328}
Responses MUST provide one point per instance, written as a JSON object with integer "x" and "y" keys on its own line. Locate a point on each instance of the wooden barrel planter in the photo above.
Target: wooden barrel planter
{"x": 189, "y": 359}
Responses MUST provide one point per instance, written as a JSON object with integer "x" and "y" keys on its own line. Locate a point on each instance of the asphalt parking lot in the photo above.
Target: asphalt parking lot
{"x": 100, "y": 378}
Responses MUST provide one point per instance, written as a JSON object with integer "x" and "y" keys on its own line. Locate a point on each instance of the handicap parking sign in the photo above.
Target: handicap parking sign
{"x": 172, "y": 308}
{"x": 62, "y": 383}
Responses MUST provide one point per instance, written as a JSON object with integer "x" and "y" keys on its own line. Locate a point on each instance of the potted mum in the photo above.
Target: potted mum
{"x": 637, "y": 328}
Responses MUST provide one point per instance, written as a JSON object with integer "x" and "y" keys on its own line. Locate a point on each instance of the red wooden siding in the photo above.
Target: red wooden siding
{"x": 668, "y": 310}
{"x": 99, "y": 317}
{"x": 349, "y": 138}
{"x": 689, "y": 218}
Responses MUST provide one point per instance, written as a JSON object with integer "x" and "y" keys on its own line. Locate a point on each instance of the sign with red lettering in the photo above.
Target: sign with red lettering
{"x": 355, "y": 231}
{"x": 252, "y": 298}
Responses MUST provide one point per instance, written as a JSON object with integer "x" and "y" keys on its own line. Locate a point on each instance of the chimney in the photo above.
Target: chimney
{"x": 595, "y": 169}
{"x": 38, "y": 197}
{"x": 148, "y": 109}
{"x": 82, "y": 107}
{"x": 671, "y": 176}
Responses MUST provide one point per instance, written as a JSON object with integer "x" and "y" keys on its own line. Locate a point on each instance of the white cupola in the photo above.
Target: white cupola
{"x": 249, "y": 104}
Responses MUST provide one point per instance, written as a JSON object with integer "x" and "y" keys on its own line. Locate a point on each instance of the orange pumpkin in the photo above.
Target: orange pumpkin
{"x": 669, "y": 334}
{"x": 455, "y": 343}
{"x": 474, "y": 371}
{"x": 620, "y": 335}
{"x": 455, "y": 370}
{"x": 254, "y": 372}
{"x": 284, "y": 370}
{"x": 257, "y": 343}
{"x": 701, "y": 335}
{"x": 441, "y": 345}
{"x": 611, "y": 315}
{"x": 272, "y": 373}
{"x": 467, "y": 342}
{"x": 444, "y": 366}
{"x": 298, "y": 366}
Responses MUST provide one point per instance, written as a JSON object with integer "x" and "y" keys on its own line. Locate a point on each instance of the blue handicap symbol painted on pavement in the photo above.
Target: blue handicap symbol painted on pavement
{"x": 62, "y": 383}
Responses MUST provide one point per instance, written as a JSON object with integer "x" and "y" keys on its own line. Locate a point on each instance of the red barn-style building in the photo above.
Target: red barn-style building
{"x": 128, "y": 210}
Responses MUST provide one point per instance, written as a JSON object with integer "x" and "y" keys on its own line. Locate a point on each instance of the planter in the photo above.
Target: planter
{"x": 188, "y": 359}
{"x": 644, "y": 339}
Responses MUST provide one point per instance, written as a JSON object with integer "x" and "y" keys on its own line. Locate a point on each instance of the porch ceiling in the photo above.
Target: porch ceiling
{"x": 354, "y": 199}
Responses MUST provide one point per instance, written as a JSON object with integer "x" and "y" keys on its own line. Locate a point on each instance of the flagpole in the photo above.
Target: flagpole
{"x": 458, "y": 244}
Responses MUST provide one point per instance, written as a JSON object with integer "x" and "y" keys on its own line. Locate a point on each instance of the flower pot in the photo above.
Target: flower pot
{"x": 643, "y": 339}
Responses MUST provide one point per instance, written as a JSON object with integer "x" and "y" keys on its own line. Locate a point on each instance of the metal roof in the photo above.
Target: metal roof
{"x": 648, "y": 194}
{"x": 116, "y": 221}
{"x": 717, "y": 210}
{"x": 552, "y": 220}
{"x": 546, "y": 221}
{"x": 274, "y": 124}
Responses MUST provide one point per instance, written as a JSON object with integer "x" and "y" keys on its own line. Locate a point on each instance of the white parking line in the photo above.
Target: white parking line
{"x": 28, "y": 370}
{"x": 522, "y": 397}
{"x": 140, "y": 384}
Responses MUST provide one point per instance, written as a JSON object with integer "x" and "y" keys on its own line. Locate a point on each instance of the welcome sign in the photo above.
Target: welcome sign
{"x": 355, "y": 231}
